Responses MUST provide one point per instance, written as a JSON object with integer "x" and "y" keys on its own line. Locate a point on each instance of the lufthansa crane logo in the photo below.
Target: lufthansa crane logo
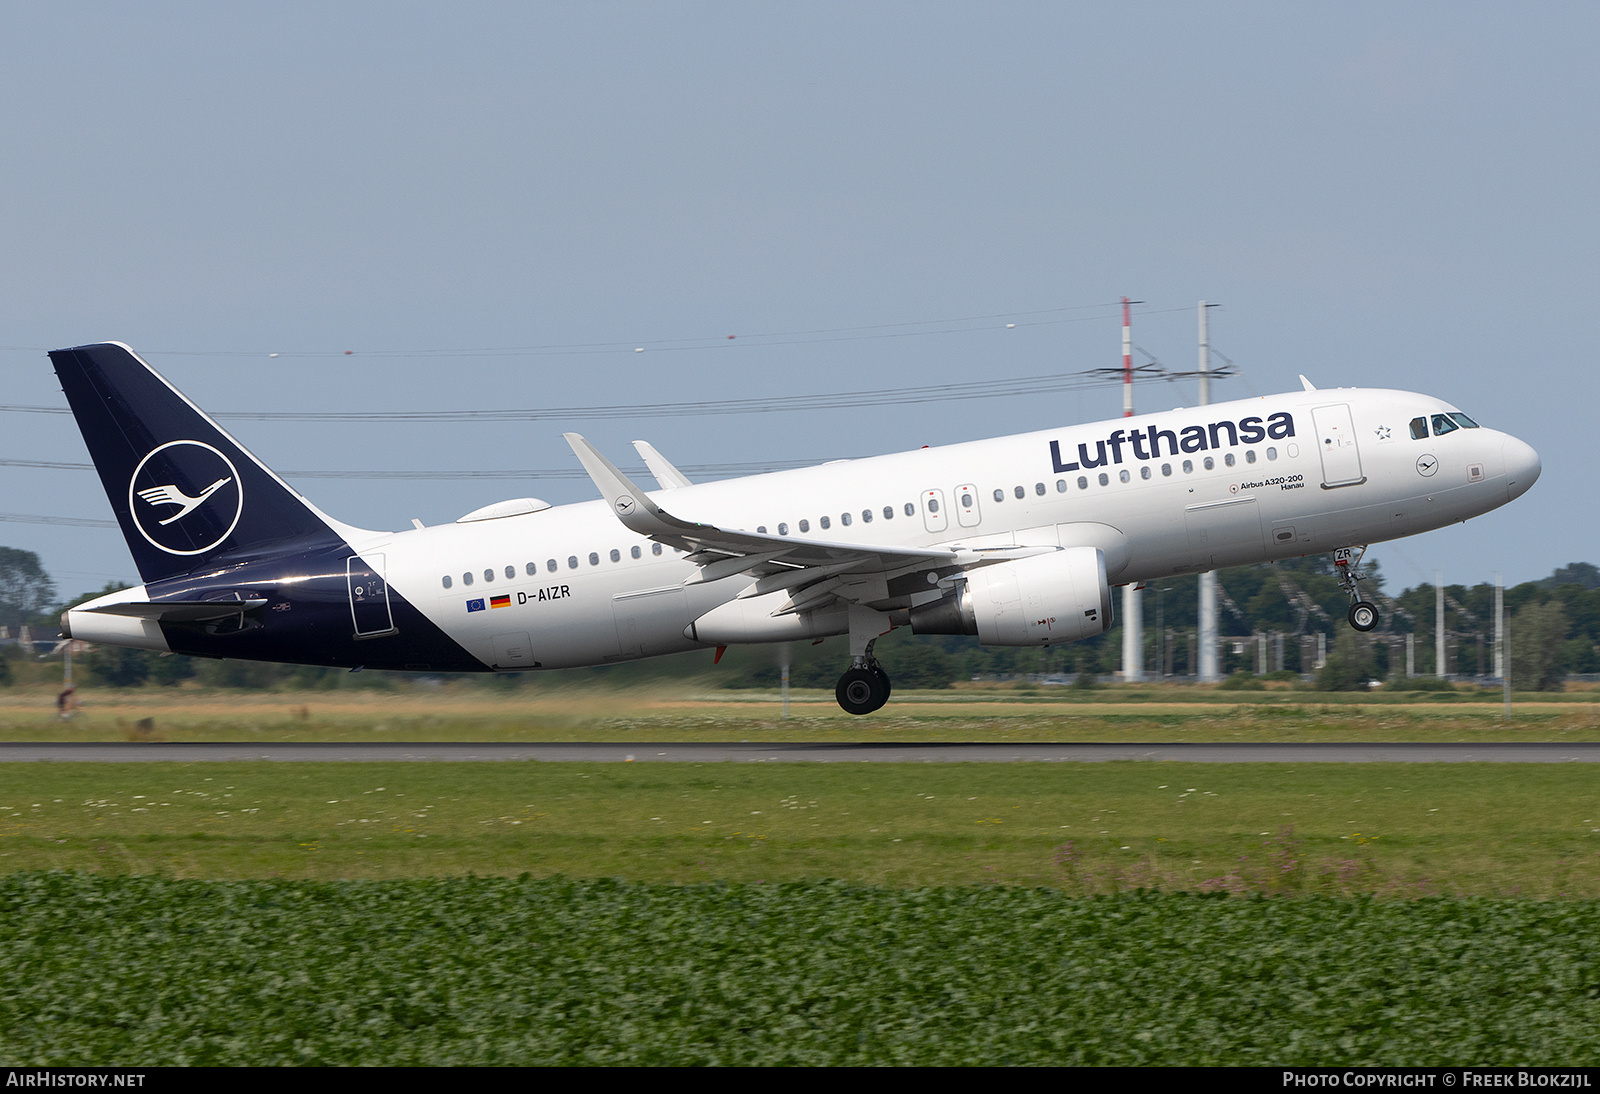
{"x": 185, "y": 497}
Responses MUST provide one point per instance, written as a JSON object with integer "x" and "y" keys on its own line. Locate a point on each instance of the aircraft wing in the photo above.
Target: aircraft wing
{"x": 814, "y": 572}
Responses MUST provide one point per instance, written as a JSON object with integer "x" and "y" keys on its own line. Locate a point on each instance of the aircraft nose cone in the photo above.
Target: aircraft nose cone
{"x": 1522, "y": 466}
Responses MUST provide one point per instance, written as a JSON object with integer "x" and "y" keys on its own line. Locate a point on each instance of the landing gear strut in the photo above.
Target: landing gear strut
{"x": 864, "y": 687}
{"x": 1363, "y": 613}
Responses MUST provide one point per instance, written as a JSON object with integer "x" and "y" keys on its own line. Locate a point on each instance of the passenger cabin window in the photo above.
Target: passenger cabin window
{"x": 446, "y": 581}
{"x": 533, "y": 569}
{"x": 1104, "y": 479}
{"x": 488, "y": 575}
{"x": 866, "y": 516}
{"x": 844, "y": 519}
{"x": 634, "y": 552}
{"x": 1188, "y": 467}
{"x": 466, "y": 578}
{"x": 1227, "y": 459}
{"x": 1419, "y": 429}
{"x": 999, "y": 495}
{"x": 594, "y": 558}
{"x": 888, "y": 512}
{"x": 511, "y": 572}
{"x": 1123, "y": 474}
{"x": 911, "y": 509}
{"x": 783, "y": 529}
{"x": 1061, "y": 486}
{"x": 1250, "y": 455}
{"x": 1020, "y": 492}
{"x": 805, "y": 526}
{"x": 1272, "y": 453}
{"x": 550, "y": 565}
{"x": 572, "y": 562}
{"x": 655, "y": 548}
{"x": 826, "y": 524}
{"x": 1144, "y": 472}
{"x": 616, "y": 555}
{"x": 1210, "y": 464}
{"x": 1166, "y": 470}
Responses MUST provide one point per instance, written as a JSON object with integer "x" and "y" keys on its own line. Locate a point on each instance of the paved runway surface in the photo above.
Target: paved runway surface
{"x": 773, "y": 752}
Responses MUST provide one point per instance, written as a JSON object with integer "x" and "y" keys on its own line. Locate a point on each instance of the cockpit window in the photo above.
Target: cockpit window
{"x": 1463, "y": 421}
{"x": 1442, "y": 425}
{"x": 1419, "y": 429}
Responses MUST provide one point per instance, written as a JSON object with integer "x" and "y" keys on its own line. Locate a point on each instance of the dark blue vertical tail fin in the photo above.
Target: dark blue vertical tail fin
{"x": 185, "y": 493}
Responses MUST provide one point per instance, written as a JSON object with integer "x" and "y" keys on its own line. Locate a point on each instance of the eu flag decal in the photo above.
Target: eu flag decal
{"x": 474, "y": 605}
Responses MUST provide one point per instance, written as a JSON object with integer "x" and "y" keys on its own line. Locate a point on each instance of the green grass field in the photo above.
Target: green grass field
{"x": 654, "y": 711}
{"x": 1390, "y": 830}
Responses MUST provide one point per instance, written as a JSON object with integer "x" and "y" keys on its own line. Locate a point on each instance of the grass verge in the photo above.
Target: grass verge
{"x": 644, "y": 713}
{"x": 1390, "y": 830}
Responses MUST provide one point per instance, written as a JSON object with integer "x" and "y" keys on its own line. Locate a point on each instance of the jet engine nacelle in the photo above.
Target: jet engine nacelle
{"x": 1039, "y": 601}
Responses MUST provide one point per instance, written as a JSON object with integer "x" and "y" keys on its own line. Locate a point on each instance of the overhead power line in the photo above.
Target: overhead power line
{"x": 722, "y": 341}
{"x": 707, "y": 470}
{"x": 75, "y": 522}
{"x": 838, "y": 400}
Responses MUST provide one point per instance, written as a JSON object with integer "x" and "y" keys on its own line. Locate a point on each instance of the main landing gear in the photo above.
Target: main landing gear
{"x": 862, "y": 690}
{"x": 1363, "y": 614}
{"x": 864, "y": 687}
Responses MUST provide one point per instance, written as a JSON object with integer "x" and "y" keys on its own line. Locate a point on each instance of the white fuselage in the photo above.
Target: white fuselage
{"x": 1288, "y": 475}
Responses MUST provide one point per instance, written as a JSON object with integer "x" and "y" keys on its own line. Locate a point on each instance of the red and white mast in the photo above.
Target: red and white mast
{"x": 1132, "y": 606}
{"x": 1127, "y": 361}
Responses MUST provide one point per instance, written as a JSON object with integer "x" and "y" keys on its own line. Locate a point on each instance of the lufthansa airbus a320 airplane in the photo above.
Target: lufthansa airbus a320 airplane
{"x": 1016, "y": 540}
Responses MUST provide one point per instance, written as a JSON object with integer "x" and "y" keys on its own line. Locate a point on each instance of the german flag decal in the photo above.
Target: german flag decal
{"x": 499, "y": 602}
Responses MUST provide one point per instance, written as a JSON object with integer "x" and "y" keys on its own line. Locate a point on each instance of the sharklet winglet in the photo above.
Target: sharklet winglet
{"x": 631, "y": 505}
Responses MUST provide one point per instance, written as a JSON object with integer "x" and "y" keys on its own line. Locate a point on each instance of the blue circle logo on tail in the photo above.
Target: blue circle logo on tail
{"x": 185, "y": 497}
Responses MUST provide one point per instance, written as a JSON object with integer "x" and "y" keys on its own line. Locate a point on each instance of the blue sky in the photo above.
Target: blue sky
{"x": 1377, "y": 195}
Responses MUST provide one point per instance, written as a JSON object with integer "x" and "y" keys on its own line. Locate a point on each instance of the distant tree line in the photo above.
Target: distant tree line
{"x": 1554, "y": 631}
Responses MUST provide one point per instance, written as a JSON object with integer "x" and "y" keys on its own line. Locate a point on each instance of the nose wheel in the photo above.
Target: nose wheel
{"x": 1363, "y": 614}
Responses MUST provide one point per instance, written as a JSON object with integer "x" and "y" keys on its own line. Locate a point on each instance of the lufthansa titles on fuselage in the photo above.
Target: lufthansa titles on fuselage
{"x": 1146, "y": 443}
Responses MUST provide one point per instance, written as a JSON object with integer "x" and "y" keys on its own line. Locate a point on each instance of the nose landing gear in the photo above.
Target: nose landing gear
{"x": 1363, "y": 614}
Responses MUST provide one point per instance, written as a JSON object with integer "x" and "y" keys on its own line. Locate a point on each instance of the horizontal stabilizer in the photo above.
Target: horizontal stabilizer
{"x": 179, "y": 611}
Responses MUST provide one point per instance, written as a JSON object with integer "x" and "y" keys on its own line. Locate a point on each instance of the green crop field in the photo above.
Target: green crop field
{"x": 525, "y": 971}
